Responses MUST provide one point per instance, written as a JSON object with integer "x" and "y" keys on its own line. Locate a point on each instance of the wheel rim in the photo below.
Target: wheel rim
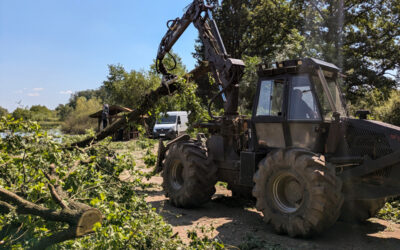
{"x": 177, "y": 175}
{"x": 287, "y": 193}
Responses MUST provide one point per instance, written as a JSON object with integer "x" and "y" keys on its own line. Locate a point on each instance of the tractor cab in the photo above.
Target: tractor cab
{"x": 296, "y": 103}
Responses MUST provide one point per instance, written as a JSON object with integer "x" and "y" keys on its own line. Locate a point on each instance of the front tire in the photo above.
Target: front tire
{"x": 297, "y": 193}
{"x": 188, "y": 176}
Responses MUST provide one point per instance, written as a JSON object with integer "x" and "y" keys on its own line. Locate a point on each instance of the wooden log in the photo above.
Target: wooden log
{"x": 73, "y": 216}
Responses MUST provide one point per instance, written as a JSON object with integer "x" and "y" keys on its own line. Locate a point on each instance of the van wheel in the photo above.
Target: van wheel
{"x": 297, "y": 193}
{"x": 188, "y": 176}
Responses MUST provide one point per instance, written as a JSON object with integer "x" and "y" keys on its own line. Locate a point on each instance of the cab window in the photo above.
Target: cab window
{"x": 302, "y": 103}
{"x": 271, "y": 98}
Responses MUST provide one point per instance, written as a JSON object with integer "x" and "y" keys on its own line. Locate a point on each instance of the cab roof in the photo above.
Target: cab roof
{"x": 295, "y": 66}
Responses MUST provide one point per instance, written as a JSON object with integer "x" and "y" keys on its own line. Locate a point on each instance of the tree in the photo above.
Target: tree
{"x": 126, "y": 89}
{"x": 253, "y": 29}
{"x": 22, "y": 113}
{"x": 78, "y": 120}
{"x": 372, "y": 47}
{"x": 88, "y": 94}
{"x": 3, "y": 111}
{"x": 361, "y": 37}
{"x": 63, "y": 111}
{"x": 42, "y": 113}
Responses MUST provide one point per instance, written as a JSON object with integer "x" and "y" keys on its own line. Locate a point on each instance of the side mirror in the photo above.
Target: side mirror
{"x": 179, "y": 122}
{"x": 362, "y": 114}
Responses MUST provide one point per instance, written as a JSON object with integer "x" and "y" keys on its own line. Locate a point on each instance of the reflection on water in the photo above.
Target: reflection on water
{"x": 55, "y": 133}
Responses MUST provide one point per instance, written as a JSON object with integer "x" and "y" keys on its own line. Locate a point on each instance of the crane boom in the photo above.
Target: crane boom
{"x": 226, "y": 71}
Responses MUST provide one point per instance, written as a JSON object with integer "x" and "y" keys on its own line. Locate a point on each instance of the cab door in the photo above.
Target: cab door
{"x": 304, "y": 121}
{"x": 269, "y": 113}
{"x": 286, "y": 114}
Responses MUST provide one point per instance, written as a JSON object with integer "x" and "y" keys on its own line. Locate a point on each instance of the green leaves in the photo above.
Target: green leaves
{"x": 90, "y": 175}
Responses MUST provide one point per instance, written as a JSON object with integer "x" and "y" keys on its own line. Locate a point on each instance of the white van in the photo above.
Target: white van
{"x": 171, "y": 124}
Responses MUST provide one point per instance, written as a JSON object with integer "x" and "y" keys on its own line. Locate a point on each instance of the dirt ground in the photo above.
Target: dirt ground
{"x": 237, "y": 223}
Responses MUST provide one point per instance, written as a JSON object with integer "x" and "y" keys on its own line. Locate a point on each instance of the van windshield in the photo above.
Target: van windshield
{"x": 171, "y": 119}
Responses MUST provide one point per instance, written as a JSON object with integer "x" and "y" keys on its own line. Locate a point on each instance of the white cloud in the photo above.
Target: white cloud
{"x": 33, "y": 94}
{"x": 38, "y": 89}
{"x": 67, "y": 92}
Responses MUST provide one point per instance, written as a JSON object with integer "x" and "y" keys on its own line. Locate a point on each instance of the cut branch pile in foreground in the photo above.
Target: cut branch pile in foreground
{"x": 80, "y": 217}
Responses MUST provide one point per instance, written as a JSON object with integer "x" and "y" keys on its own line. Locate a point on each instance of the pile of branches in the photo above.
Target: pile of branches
{"x": 34, "y": 169}
{"x": 52, "y": 194}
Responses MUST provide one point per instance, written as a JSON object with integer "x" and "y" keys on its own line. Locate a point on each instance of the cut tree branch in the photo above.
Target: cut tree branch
{"x": 5, "y": 208}
{"x": 147, "y": 103}
{"x": 80, "y": 217}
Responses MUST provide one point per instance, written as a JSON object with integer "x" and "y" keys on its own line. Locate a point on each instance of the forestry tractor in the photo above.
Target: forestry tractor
{"x": 300, "y": 155}
{"x": 305, "y": 161}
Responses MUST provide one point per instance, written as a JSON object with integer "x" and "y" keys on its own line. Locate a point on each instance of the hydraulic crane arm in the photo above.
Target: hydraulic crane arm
{"x": 226, "y": 71}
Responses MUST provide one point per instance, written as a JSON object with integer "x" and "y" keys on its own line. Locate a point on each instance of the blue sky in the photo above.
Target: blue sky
{"x": 49, "y": 49}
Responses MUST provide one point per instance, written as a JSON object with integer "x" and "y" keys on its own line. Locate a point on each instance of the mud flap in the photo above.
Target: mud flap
{"x": 163, "y": 149}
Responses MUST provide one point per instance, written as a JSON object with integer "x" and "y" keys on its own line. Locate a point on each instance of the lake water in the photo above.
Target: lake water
{"x": 52, "y": 132}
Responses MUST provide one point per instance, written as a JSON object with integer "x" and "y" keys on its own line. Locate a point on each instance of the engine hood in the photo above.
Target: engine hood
{"x": 379, "y": 138}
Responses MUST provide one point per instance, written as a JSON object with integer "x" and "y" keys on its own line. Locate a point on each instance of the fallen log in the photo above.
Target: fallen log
{"x": 80, "y": 217}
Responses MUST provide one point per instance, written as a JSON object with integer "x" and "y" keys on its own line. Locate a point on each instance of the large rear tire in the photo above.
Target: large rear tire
{"x": 297, "y": 193}
{"x": 188, "y": 176}
{"x": 360, "y": 210}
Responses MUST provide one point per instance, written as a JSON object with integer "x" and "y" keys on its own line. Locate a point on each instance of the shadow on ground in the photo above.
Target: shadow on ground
{"x": 237, "y": 223}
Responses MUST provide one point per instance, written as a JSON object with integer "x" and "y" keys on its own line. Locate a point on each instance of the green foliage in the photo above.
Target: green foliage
{"x": 150, "y": 159}
{"x": 248, "y": 84}
{"x": 389, "y": 111}
{"x": 63, "y": 111}
{"x": 391, "y": 211}
{"x": 186, "y": 99}
{"x": 46, "y": 117}
{"x": 361, "y": 37}
{"x": 22, "y": 113}
{"x": 42, "y": 113}
{"x": 3, "y": 111}
{"x": 382, "y": 108}
{"x": 87, "y": 94}
{"x": 145, "y": 143}
{"x": 203, "y": 241}
{"x": 127, "y": 89}
{"x": 78, "y": 121}
{"x": 91, "y": 176}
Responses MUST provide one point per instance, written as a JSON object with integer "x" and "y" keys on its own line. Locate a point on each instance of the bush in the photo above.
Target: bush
{"x": 381, "y": 108}
{"x": 389, "y": 111}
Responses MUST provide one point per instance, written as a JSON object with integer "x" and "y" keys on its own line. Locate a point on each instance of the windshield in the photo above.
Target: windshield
{"x": 334, "y": 91}
{"x": 302, "y": 103}
{"x": 171, "y": 119}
